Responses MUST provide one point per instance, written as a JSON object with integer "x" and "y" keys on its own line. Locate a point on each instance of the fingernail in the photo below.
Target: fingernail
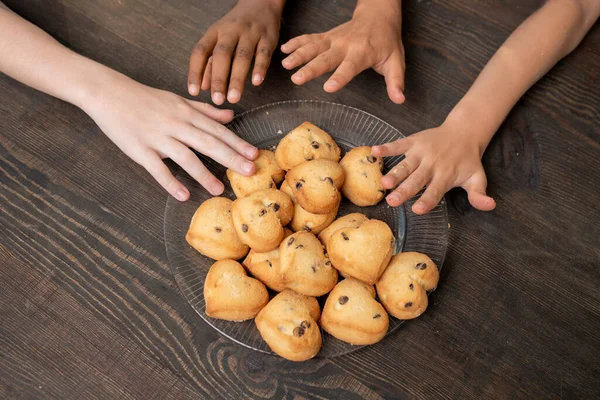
{"x": 218, "y": 98}
{"x": 257, "y": 79}
{"x": 233, "y": 95}
{"x": 420, "y": 204}
{"x": 251, "y": 151}
{"x": 330, "y": 85}
{"x": 217, "y": 189}
{"x": 393, "y": 198}
{"x": 193, "y": 89}
{"x": 181, "y": 195}
{"x": 247, "y": 167}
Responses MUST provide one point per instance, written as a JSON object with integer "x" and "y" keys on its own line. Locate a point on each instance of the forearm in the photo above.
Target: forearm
{"x": 31, "y": 56}
{"x": 392, "y": 8}
{"x": 275, "y": 4}
{"x": 530, "y": 52}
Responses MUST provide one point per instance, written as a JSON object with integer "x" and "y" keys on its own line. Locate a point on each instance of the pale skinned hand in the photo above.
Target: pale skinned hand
{"x": 440, "y": 159}
{"x": 150, "y": 125}
{"x": 372, "y": 39}
{"x": 222, "y": 58}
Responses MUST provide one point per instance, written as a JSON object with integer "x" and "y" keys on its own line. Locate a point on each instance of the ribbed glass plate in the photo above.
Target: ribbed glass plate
{"x": 264, "y": 127}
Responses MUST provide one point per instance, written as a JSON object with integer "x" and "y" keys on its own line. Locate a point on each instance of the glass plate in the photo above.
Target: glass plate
{"x": 264, "y": 127}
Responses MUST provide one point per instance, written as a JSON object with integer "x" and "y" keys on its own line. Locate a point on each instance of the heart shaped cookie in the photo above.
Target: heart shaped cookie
{"x": 347, "y": 221}
{"x": 316, "y": 185}
{"x": 362, "y": 252}
{"x": 304, "y": 267}
{"x": 352, "y": 314}
{"x": 232, "y": 295}
{"x": 363, "y": 173}
{"x": 212, "y": 233}
{"x": 289, "y": 325}
{"x": 267, "y": 175}
{"x": 259, "y": 218}
{"x": 305, "y": 143}
{"x": 265, "y": 266}
{"x": 403, "y": 285}
{"x": 306, "y": 221}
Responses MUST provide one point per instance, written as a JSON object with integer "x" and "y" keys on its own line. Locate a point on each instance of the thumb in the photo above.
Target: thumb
{"x": 475, "y": 187}
{"x": 393, "y": 71}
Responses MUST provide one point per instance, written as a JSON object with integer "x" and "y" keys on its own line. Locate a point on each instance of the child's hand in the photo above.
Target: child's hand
{"x": 250, "y": 29}
{"x": 371, "y": 39}
{"x": 439, "y": 158}
{"x": 149, "y": 125}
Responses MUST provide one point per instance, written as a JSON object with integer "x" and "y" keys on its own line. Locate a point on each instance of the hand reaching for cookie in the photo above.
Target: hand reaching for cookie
{"x": 250, "y": 30}
{"x": 441, "y": 159}
{"x": 372, "y": 39}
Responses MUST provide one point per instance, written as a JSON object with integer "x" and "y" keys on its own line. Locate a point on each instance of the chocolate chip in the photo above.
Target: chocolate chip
{"x": 411, "y": 286}
{"x": 376, "y": 316}
{"x": 305, "y": 324}
{"x": 343, "y": 300}
{"x": 328, "y": 179}
{"x": 309, "y": 158}
{"x": 218, "y": 229}
{"x": 298, "y": 185}
{"x": 381, "y": 191}
{"x": 371, "y": 159}
{"x": 269, "y": 262}
{"x": 314, "y": 268}
{"x": 328, "y": 263}
{"x": 276, "y": 207}
{"x": 307, "y": 228}
{"x": 315, "y": 145}
{"x": 271, "y": 184}
{"x": 290, "y": 241}
{"x": 421, "y": 266}
{"x": 244, "y": 228}
{"x": 299, "y": 246}
{"x": 298, "y": 331}
{"x": 409, "y": 304}
{"x": 345, "y": 236}
{"x": 262, "y": 212}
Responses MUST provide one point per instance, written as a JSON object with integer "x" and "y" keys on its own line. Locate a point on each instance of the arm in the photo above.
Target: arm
{"x": 372, "y": 39}
{"x": 251, "y": 30}
{"x": 146, "y": 123}
{"x": 450, "y": 155}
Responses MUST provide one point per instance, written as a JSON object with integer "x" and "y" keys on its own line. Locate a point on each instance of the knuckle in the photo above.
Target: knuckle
{"x": 223, "y": 48}
{"x": 217, "y": 83}
{"x": 200, "y": 49}
{"x": 264, "y": 51}
{"x": 243, "y": 52}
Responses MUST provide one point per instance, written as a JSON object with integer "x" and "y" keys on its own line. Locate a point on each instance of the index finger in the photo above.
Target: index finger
{"x": 198, "y": 59}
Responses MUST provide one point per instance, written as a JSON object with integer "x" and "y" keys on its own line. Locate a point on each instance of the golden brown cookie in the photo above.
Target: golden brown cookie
{"x": 307, "y": 142}
{"x": 304, "y": 267}
{"x": 316, "y": 185}
{"x": 267, "y": 175}
{"x": 289, "y": 325}
{"x": 212, "y": 233}
{"x": 265, "y": 266}
{"x": 231, "y": 294}
{"x": 304, "y": 220}
{"x": 403, "y": 286}
{"x": 352, "y": 314}
{"x": 362, "y": 252}
{"x": 347, "y": 221}
{"x": 259, "y": 218}
{"x": 363, "y": 173}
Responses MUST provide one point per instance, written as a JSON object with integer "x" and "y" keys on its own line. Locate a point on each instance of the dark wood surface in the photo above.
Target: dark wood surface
{"x": 88, "y": 305}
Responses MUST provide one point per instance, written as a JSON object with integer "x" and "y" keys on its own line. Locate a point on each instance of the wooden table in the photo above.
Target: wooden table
{"x": 88, "y": 305}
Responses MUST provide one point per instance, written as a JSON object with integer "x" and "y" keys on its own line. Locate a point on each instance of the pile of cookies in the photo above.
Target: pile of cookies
{"x": 291, "y": 243}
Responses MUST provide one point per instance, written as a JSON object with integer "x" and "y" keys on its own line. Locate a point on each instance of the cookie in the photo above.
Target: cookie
{"x": 363, "y": 173}
{"x": 304, "y": 220}
{"x": 403, "y": 286}
{"x": 304, "y": 267}
{"x": 265, "y": 266}
{"x": 212, "y": 233}
{"x": 362, "y": 252}
{"x": 347, "y": 221}
{"x": 267, "y": 175}
{"x": 352, "y": 314}
{"x": 259, "y": 218}
{"x": 316, "y": 185}
{"x": 289, "y": 325}
{"x": 232, "y": 295}
{"x": 307, "y": 142}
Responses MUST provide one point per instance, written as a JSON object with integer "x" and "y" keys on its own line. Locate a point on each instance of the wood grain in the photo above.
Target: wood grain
{"x": 88, "y": 305}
